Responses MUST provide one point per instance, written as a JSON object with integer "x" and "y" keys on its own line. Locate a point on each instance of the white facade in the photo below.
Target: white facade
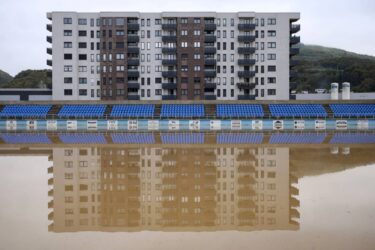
{"x": 272, "y": 55}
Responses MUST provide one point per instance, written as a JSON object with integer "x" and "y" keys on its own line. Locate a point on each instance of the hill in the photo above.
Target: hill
{"x": 30, "y": 79}
{"x": 319, "y": 66}
{"x": 5, "y": 77}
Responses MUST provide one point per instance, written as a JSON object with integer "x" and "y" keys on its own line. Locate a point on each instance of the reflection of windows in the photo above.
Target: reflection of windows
{"x": 68, "y": 187}
{"x": 271, "y": 197}
{"x": 69, "y": 211}
{"x": 68, "y": 164}
{"x": 68, "y": 199}
{"x": 271, "y": 175}
{"x": 68, "y": 176}
{"x": 68, "y": 152}
{"x": 83, "y": 175}
{"x": 271, "y": 186}
{"x": 271, "y": 163}
{"x": 271, "y": 209}
{"x": 184, "y": 199}
{"x": 83, "y": 164}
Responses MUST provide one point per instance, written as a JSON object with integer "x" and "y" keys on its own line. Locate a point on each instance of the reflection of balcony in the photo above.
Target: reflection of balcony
{"x": 294, "y": 51}
{"x": 246, "y": 169}
{"x": 294, "y": 213}
{"x": 49, "y": 27}
{"x": 243, "y": 215}
{"x": 133, "y": 85}
{"x": 293, "y": 190}
{"x": 209, "y": 61}
{"x": 210, "y": 85}
{"x": 133, "y": 97}
{"x": 210, "y": 97}
{"x": 133, "y": 73}
{"x": 294, "y": 202}
{"x": 133, "y": 62}
{"x": 210, "y": 73}
{"x": 133, "y": 38}
{"x": 133, "y": 50}
{"x": 246, "y": 180}
{"x": 246, "y": 204}
{"x": 49, "y": 39}
{"x": 294, "y": 39}
{"x": 49, "y": 51}
{"x": 246, "y": 191}
{"x": 50, "y": 181}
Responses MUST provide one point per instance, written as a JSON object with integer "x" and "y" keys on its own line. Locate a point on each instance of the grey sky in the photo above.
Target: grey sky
{"x": 346, "y": 24}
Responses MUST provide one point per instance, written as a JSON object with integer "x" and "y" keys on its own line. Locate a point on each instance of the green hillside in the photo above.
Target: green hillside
{"x": 319, "y": 66}
{"x": 30, "y": 79}
{"x": 5, "y": 77}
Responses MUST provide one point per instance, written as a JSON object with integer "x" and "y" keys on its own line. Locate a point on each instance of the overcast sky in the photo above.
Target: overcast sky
{"x": 345, "y": 24}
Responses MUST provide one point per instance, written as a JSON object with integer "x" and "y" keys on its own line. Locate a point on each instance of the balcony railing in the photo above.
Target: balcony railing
{"x": 133, "y": 73}
{"x": 210, "y": 26}
{"x": 295, "y": 39}
{"x": 246, "y": 73}
{"x": 169, "y": 50}
{"x": 169, "y": 73}
{"x": 246, "y": 26}
{"x": 49, "y": 39}
{"x": 49, "y": 62}
{"x": 210, "y": 85}
{"x": 169, "y": 85}
{"x": 209, "y": 38}
{"x": 168, "y": 97}
{"x": 168, "y": 62}
{"x": 209, "y": 61}
{"x": 246, "y": 38}
{"x": 133, "y": 62}
{"x": 169, "y": 26}
{"x": 209, "y": 73}
{"x": 133, "y": 85}
{"x": 210, "y": 97}
{"x": 169, "y": 39}
{"x": 246, "y": 97}
{"x": 49, "y": 27}
{"x": 49, "y": 51}
{"x": 246, "y": 62}
{"x": 133, "y": 97}
{"x": 294, "y": 28}
{"x": 133, "y": 38}
{"x": 133, "y": 26}
{"x": 133, "y": 50}
{"x": 246, "y": 50}
{"x": 210, "y": 50}
{"x": 245, "y": 85}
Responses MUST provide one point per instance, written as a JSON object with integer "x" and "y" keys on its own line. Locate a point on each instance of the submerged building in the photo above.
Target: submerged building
{"x": 172, "y": 55}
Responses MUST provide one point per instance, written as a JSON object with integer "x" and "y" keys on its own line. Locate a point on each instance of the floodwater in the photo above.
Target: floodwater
{"x": 196, "y": 196}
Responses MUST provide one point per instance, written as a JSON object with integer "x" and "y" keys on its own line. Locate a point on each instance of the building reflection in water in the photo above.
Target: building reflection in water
{"x": 172, "y": 188}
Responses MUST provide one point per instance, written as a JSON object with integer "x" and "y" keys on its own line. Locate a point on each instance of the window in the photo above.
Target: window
{"x": 120, "y": 56}
{"x": 184, "y": 32}
{"x": 271, "y": 21}
{"x": 82, "y": 33}
{"x": 197, "y": 91}
{"x": 157, "y": 33}
{"x": 142, "y": 22}
{"x": 271, "y": 56}
{"x": 184, "y": 56}
{"x": 120, "y": 32}
{"x": 67, "y": 20}
{"x": 184, "y": 44}
{"x": 184, "y": 68}
{"x": 148, "y": 22}
{"x": 197, "y": 20}
{"x": 68, "y": 80}
{"x": 120, "y": 68}
{"x": 82, "y": 80}
{"x": 158, "y": 56}
{"x": 184, "y": 20}
{"x": 271, "y": 33}
{"x": 82, "y": 21}
{"x": 157, "y": 21}
{"x": 197, "y": 68}
{"x": 82, "y": 92}
{"x": 232, "y": 34}
{"x": 271, "y": 68}
{"x": 68, "y": 92}
{"x": 224, "y": 22}
{"x": 157, "y": 91}
{"x": 224, "y": 34}
{"x": 68, "y": 44}
{"x": 232, "y": 22}
{"x": 197, "y": 56}
{"x": 271, "y": 45}
{"x": 271, "y": 80}
{"x": 197, "y": 44}
{"x": 68, "y": 56}
{"x": 119, "y": 21}
{"x": 120, "y": 45}
{"x": 82, "y": 68}
{"x": 68, "y": 33}
{"x": 82, "y": 45}
{"x": 158, "y": 45}
{"x": 82, "y": 57}
{"x": 262, "y": 22}
{"x": 218, "y": 34}
{"x": 232, "y": 57}
{"x": 68, "y": 68}
{"x": 197, "y": 32}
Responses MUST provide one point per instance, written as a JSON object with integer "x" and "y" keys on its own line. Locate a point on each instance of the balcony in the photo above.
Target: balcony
{"x": 169, "y": 26}
{"x": 133, "y": 73}
{"x": 209, "y": 38}
{"x": 246, "y": 50}
{"x": 209, "y": 61}
{"x": 245, "y": 85}
{"x": 169, "y": 50}
{"x": 210, "y": 85}
{"x": 49, "y": 27}
{"x": 210, "y": 26}
{"x": 246, "y": 97}
{"x": 209, "y": 73}
{"x": 294, "y": 39}
{"x": 294, "y": 51}
{"x": 210, "y": 50}
{"x": 133, "y": 85}
{"x": 293, "y": 63}
{"x": 133, "y": 97}
{"x": 49, "y": 62}
{"x": 246, "y": 26}
{"x": 133, "y": 39}
{"x": 169, "y": 39}
{"x": 169, "y": 85}
{"x": 169, "y": 73}
{"x": 49, "y": 51}
{"x": 210, "y": 97}
{"x": 246, "y": 73}
{"x": 133, "y": 26}
{"x": 243, "y": 62}
{"x": 294, "y": 28}
{"x": 49, "y": 39}
{"x": 168, "y": 97}
{"x": 133, "y": 62}
{"x": 169, "y": 62}
{"x": 246, "y": 38}
{"x": 133, "y": 50}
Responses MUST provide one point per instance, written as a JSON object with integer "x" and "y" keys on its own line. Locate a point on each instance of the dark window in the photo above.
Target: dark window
{"x": 262, "y": 69}
{"x": 83, "y": 92}
{"x": 271, "y": 68}
{"x": 119, "y": 45}
{"x": 197, "y": 80}
{"x": 82, "y": 33}
{"x": 68, "y": 56}
{"x": 271, "y": 91}
{"x": 232, "y": 45}
{"x": 184, "y": 56}
{"x": 148, "y": 80}
{"x": 92, "y": 34}
{"x": 82, "y": 57}
{"x": 158, "y": 80}
{"x": 224, "y": 46}
{"x": 68, "y": 44}
{"x": 68, "y": 80}
{"x": 82, "y": 45}
{"x": 119, "y": 21}
{"x": 184, "y": 80}
{"x": 68, "y": 92}
{"x": 67, "y": 20}
{"x": 68, "y": 33}
{"x": 218, "y": 46}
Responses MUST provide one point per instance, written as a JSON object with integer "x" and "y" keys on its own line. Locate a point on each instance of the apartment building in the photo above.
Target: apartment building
{"x": 172, "y": 55}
